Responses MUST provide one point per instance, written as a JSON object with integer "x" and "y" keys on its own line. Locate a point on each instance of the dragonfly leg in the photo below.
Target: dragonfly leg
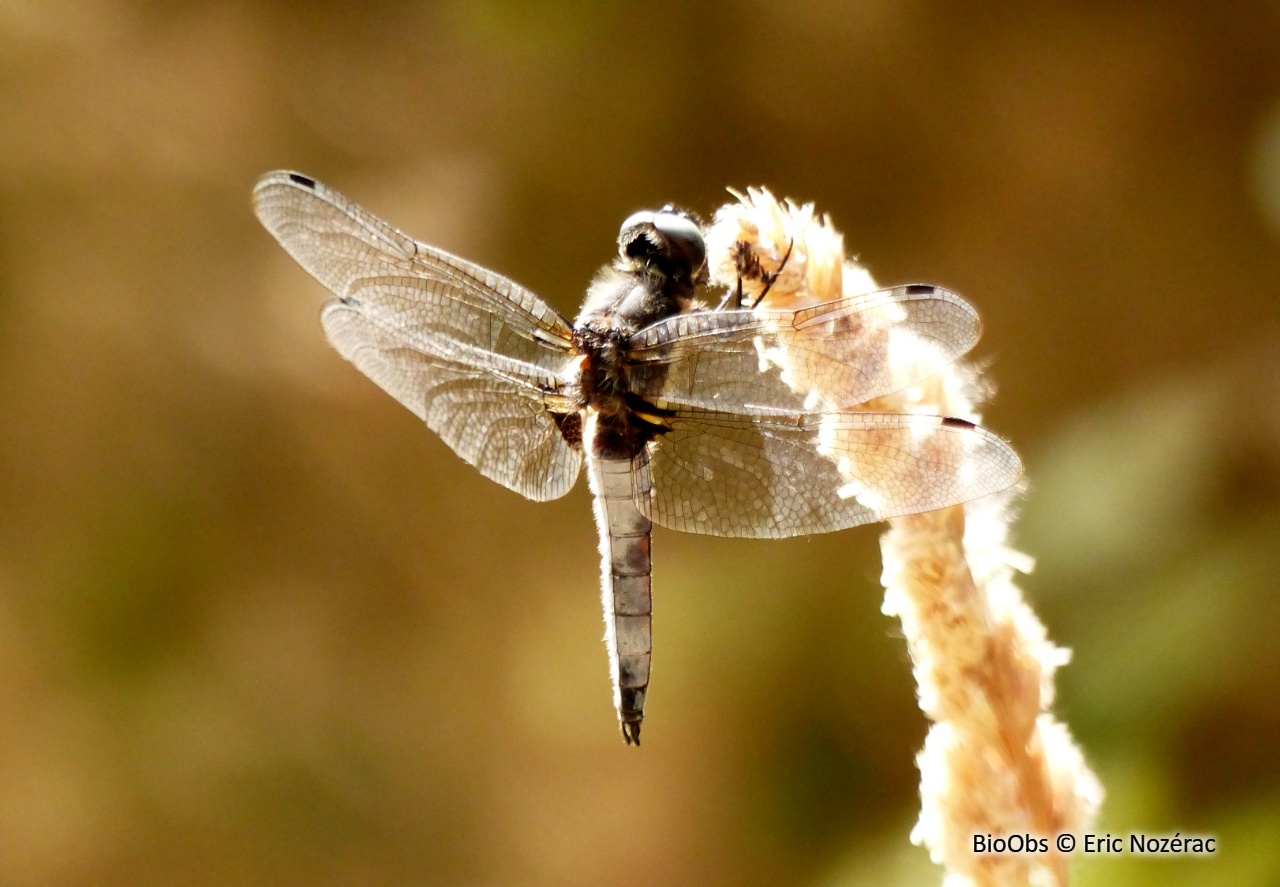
{"x": 770, "y": 279}
{"x": 737, "y": 297}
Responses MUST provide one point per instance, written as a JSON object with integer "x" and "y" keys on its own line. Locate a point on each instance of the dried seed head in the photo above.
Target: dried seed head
{"x": 995, "y": 760}
{"x": 749, "y": 240}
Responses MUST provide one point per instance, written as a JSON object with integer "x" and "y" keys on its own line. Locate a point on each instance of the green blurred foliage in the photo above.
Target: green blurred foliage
{"x": 258, "y": 626}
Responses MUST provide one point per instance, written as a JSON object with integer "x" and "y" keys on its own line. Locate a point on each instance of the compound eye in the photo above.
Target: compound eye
{"x": 684, "y": 236}
{"x": 636, "y": 219}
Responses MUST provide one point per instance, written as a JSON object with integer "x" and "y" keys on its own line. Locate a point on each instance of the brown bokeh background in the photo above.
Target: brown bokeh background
{"x": 258, "y": 626}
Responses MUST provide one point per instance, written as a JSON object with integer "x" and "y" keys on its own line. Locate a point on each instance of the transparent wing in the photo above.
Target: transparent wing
{"x": 756, "y": 361}
{"x": 722, "y": 474}
{"x": 474, "y": 355}
{"x": 454, "y": 303}
{"x": 499, "y": 424}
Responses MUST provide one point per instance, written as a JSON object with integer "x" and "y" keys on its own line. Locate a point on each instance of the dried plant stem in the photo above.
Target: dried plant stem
{"x": 995, "y": 761}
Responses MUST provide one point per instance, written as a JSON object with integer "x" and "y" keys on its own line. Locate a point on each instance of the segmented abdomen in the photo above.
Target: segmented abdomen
{"x": 616, "y": 484}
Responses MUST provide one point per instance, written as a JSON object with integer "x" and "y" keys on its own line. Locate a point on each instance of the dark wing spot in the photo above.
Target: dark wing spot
{"x": 919, "y": 289}
{"x": 953, "y": 422}
{"x": 299, "y": 179}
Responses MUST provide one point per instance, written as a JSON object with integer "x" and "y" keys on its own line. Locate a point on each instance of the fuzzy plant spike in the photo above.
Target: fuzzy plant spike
{"x": 995, "y": 761}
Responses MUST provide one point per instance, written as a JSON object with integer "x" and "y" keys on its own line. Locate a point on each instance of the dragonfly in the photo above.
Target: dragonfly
{"x": 667, "y": 403}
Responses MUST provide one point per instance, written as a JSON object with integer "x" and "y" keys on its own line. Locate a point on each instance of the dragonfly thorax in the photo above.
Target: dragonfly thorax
{"x": 602, "y": 375}
{"x": 604, "y": 390}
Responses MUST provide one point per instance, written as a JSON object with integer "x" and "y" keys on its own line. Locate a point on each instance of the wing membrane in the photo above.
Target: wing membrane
{"x": 356, "y": 255}
{"x": 835, "y": 355}
{"x": 499, "y": 424}
{"x": 473, "y": 354}
{"x": 723, "y": 474}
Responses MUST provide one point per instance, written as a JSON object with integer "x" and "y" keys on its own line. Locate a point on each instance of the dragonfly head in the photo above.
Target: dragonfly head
{"x": 668, "y": 240}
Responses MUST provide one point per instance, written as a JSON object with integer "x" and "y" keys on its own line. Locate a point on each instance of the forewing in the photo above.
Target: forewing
{"x": 835, "y": 355}
{"x": 727, "y": 475}
{"x": 473, "y": 354}
{"x": 449, "y": 302}
{"x": 500, "y": 424}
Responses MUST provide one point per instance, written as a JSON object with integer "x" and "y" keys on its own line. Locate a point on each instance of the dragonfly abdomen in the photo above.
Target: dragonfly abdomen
{"x": 616, "y": 484}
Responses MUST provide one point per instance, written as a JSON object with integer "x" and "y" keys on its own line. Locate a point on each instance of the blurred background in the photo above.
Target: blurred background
{"x": 259, "y": 626}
